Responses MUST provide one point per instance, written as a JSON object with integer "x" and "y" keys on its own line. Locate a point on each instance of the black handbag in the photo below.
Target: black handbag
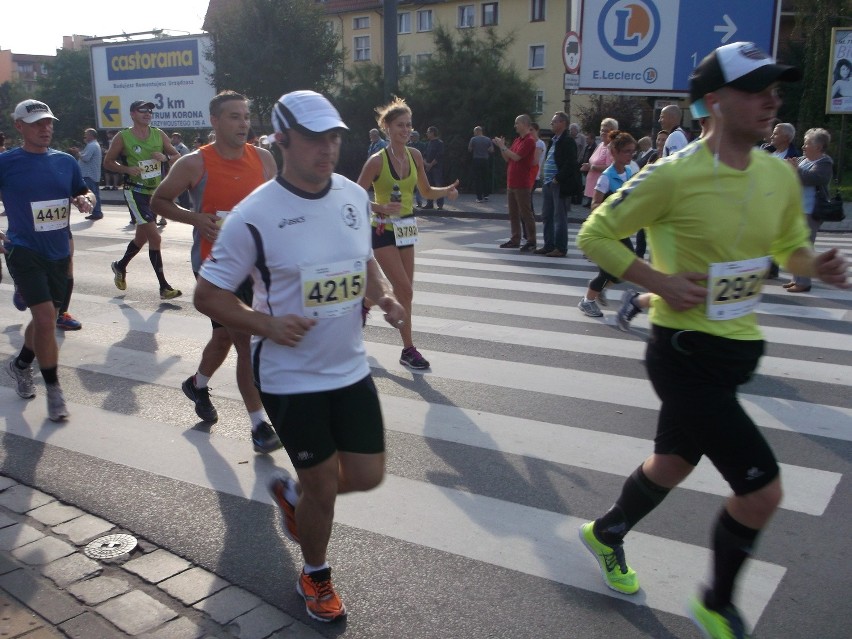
{"x": 828, "y": 209}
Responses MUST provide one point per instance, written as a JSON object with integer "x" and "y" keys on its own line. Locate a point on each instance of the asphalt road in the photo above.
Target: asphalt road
{"x": 527, "y": 425}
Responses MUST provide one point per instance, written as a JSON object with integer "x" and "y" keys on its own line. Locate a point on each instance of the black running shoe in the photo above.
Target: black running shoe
{"x": 201, "y": 396}
{"x": 264, "y": 438}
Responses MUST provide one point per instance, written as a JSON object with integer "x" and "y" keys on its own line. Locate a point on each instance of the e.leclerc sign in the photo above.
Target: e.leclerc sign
{"x": 651, "y": 46}
{"x": 170, "y": 72}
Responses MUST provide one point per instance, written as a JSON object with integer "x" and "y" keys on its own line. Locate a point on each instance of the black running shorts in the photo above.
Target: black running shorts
{"x": 37, "y": 278}
{"x": 696, "y": 376}
{"x": 386, "y": 238}
{"x": 140, "y": 206}
{"x": 313, "y": 426}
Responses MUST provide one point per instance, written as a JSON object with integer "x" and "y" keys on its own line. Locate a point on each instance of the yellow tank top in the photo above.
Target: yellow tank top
{"x": 383, "y": 185}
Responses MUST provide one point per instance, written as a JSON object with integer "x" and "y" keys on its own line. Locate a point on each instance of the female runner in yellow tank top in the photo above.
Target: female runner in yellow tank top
{"x": 394, "y": 226}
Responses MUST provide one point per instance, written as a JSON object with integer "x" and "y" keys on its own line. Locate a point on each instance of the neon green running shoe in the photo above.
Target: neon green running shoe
{"x": 726, "y": 624}
{"x": 616, "y": 573}
{"x": 169, "y": 293}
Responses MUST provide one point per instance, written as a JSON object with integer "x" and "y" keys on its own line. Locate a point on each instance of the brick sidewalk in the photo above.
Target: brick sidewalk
{"x": 49, "y": 588}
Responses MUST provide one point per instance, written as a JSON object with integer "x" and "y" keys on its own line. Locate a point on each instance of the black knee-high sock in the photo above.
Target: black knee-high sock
{"x": 132, "y": 249}
{"x": 67, "y": 301}
{"x": 25, "y": 357}
{"x": 639, "y": 496}
{"x": 50, "y": 375}
{"x": 733, "y": 543}
{"x": 157, "y": 262}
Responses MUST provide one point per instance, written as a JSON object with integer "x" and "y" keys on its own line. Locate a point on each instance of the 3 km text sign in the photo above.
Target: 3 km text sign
{"x": 651, "y": 46}
{"x": 173, "y": 73}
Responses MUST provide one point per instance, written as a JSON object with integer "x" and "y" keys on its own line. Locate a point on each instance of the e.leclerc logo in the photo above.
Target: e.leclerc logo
{"x": 629, "y": 29}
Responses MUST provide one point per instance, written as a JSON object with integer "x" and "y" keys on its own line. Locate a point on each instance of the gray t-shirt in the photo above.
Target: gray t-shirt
{"x": 479, "y": 146}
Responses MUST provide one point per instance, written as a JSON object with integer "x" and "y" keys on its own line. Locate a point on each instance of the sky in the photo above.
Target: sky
{"x": 43, "y": 30}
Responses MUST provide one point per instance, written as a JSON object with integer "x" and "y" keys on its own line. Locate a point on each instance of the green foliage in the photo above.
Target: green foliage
{"x": 10, "y": 94}
{"x": 806, "y": 100}
{"x": 633, "y": 114}
{"x": 67, "y": 89}
{"x": 356, "y": 100}
{"x": 466, "y": 83}
{"x": 265, "y": 48}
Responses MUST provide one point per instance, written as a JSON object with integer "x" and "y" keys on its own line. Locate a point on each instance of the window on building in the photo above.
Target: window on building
{"x": 538, "y": 102}
{"x": 362, "y": 48}
{"x": 489, "y": 14}
{"x": 537, "y": 10}
{"x": 536, "y": 56}
{"x": 423, "y": 57}
{"x": 424, "y": 20}
{"x": 361, "y": 22}
{"x": 403, "y": 22}
{"x": 25, "y": 67}
{"x": 404, "y": 65}
{"x": 466, "y": 16}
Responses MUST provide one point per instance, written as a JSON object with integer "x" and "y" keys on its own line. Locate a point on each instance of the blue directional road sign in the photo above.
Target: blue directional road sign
{"x": 652, "y": 46}
{"x": 712, "y": 24}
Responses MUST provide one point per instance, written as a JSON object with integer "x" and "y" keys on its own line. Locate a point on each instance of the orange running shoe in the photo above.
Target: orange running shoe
{"x": 278, "y": 486}
{"x": 321, "y": 600}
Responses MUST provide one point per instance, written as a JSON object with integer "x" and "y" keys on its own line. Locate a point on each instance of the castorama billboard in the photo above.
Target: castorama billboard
{"x": 173, "y": 73}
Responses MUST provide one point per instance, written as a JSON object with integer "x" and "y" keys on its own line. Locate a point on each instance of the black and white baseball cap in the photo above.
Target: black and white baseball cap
{"x": 32, "y": 111}
{"x": 307, "y": 112}
{"x": 741, "y": 65}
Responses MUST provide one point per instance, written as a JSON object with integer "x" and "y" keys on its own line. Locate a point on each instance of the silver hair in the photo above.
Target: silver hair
{"x": 788, "y": 129}
{"x": 820, "y": 137}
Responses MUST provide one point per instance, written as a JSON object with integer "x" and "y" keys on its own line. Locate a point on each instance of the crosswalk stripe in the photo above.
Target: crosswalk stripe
{"x": 806, "y": 490}
{"x": 529, "y": 540}
{"x": 810, "y": 490}
{"x": 814, "y": 339}
{"x": 607, "y": 346}
{"x": 532, "y": 271}
{"x": 574, "y": 292}
{"x": 769, "y": 412}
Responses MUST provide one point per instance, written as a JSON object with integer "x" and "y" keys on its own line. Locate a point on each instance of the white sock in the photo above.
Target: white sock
{"x": 201, "y": 380}
{"x": 257, "y": 417}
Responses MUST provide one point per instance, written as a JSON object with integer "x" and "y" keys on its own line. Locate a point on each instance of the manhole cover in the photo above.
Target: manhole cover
{"x": 110, "y": 546}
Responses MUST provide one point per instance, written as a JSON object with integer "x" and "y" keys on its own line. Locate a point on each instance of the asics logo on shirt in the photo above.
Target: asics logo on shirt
{"x": 293, "y": 220}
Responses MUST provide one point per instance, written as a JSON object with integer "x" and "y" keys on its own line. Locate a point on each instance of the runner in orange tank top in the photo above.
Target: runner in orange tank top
{"x": 219, "y": 175}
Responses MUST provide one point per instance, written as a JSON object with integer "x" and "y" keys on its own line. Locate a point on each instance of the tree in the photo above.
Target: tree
{"x": 465, "y": 83}
{"x": 10, "y": 94}
{"x": 356, "y": 100}
{"x": 67, "y": 89}
{"x": 265, "y": 48}
{"x": 814, "y": 21}
{"x": 631, "y": 113}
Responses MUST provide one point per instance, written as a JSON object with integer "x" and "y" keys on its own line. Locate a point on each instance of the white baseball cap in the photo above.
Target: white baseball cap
{"x": 307, "y": 112}
{"x": 742, "y": 65}
{"x": 32, "y": 111}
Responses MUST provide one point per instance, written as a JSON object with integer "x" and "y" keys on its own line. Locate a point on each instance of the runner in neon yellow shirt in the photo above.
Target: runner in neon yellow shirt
{"x": 716, "y": 214}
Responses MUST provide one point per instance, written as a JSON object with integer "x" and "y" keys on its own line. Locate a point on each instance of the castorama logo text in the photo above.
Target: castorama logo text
{"x": 629, "y": 29}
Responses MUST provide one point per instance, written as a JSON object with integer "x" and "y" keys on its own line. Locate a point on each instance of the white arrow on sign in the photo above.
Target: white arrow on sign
{"x": 729, "y": 28}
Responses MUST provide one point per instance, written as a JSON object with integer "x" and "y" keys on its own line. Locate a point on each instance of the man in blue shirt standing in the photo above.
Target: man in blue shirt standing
{"x": 39, "y": 185}
{"x": 90, "y": 167}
